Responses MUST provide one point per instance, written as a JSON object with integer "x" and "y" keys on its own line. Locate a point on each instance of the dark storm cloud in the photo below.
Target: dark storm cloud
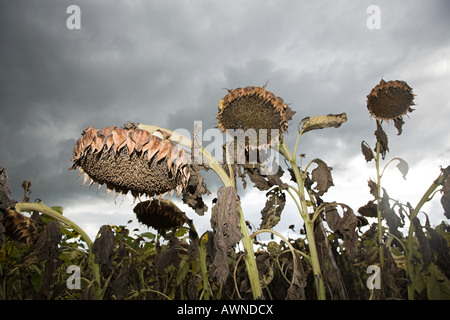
{"x": 167, "y": 63}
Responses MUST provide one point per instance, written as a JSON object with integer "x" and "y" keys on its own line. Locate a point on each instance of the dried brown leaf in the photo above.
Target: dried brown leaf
{"x": 369, "y": 210}
{"x": 322, "y": 177}
{"x": 321, "y": 122}
{"x": 366, "y": 151}
{"x": 382, "y": 139}
{"x": 225, "y": 223}
{"x": 271, "y": 213}
{"x": 103, "y": 248}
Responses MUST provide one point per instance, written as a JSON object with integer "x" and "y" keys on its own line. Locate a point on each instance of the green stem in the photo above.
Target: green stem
{"x": 378, "y": 196}
{"x": 309, "y": 223}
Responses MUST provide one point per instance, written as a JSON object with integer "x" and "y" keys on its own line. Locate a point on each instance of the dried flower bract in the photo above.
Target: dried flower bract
{"x": 131, "y": 159}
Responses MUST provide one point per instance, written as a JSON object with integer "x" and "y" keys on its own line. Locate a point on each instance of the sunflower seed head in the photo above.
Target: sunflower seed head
{"x": 160, "y": 214}
{"x": 254, "y": 108}
{"x": 130, "y": 159}
{"x": 390, "y": 100}
{"x": 19, "y": 227}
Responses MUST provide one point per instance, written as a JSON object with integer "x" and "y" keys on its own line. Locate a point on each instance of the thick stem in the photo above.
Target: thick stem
{"x": 380, "y": 218}
{"x": 309, "y": 223}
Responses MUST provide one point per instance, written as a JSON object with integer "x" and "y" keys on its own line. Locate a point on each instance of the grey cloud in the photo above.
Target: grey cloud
{"x": 166, "y": 63}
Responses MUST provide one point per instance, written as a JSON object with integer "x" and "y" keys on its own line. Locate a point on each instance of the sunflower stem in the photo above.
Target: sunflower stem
{"x": 250, "y": 260}
{"x": 309, "y": 223}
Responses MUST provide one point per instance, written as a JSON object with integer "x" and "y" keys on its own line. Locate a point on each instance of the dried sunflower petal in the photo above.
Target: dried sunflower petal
{"x": 124, "y": 160}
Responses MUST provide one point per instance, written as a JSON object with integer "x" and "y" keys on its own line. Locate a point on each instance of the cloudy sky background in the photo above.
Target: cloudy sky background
{"x": 167, "y": 62}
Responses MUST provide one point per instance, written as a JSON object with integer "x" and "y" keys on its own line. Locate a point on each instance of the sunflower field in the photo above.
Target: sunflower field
{"x": 343, "y": 253}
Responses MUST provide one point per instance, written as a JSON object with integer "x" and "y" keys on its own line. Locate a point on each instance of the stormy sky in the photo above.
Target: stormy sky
{"x": 167, "y": 63}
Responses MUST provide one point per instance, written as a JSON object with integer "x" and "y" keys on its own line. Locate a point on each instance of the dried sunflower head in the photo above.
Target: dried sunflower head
{"x": 390, "y": 100}
{"x": 18, "y": 226}
{"x": 131, "y": 159}
{"x": 255, "y": 108}
{"x": 160, "y": 214}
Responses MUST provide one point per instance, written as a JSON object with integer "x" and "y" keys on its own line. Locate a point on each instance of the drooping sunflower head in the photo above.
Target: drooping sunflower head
{"x": 160, "y": 214}
{"x": 257, "y": 109}
{"x": 19, "y": 227}
{"x": 390, "y": 100}
{"x": 131, "y": 159}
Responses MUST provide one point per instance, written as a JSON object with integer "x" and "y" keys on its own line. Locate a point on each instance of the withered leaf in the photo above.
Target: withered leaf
{"x": 296, "y": 290}
{"x": 196, "y": 188}
{"x": 382, "y": 139}
{"x": 48, "y": 243}
{"x": 169, "y": 256}
{"x": 388, "y": 213}
{"x": 120, "y": 283}
{"x": 369, "y": 210}
{"x": 103, "y": 248}
{"x": 321, "y": 175}
{"x": 321, "y": 122}
{"x": 445, "y": 199}
{"x": 424, "y": 246}
{"x": 439, "y": 244}
{"x": 345, "y": 226}
{"x": 366, "y": 151}
{"x": 225, "y": 223}
{"x": 373, "y": 188}
{"x": 398, "y": 123}
{"x": 271, "y": 213}
{"x": 403, "y": 167}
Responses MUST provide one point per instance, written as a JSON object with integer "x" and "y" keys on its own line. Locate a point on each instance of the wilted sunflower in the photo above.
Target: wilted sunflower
{"x": 160, "y": 214}
{"x": 254, "y": 108}
{"x": 131, "y": 159}
{"x": 18, "y": 226}
{"x": 390, "y": 100}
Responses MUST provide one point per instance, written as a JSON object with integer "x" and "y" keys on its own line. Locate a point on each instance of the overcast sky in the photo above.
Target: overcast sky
{"x": 166, "y": 63}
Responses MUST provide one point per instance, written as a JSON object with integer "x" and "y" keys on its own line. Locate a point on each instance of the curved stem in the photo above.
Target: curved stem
{"x": 291, "y": 248}
{"x": 309, "y": 224}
